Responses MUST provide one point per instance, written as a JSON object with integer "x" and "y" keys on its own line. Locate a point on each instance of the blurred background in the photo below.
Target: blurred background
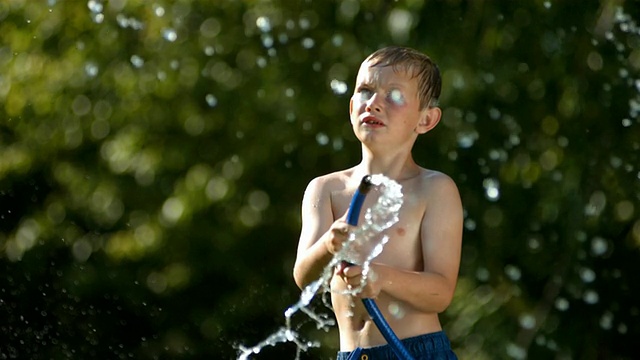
{"x": 153, "y": 156}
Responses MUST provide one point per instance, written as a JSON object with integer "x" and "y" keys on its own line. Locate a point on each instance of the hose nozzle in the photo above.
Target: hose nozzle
{"x": 365, "y": 184}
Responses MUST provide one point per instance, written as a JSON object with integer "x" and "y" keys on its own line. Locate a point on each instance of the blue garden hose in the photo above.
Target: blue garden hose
{"x": 352, "y": 219}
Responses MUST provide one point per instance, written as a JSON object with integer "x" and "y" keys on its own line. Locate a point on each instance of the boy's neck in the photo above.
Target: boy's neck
{"x": 397, "y": 166}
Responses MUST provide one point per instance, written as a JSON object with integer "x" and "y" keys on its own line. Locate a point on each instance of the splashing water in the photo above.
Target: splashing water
{"x": 363, "y": 245}
{"x": 627, "y": 27}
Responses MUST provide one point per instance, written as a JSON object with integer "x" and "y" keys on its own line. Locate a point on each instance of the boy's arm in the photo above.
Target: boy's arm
{"x": 320, "y": 237}
{"x": 431, "y": 290}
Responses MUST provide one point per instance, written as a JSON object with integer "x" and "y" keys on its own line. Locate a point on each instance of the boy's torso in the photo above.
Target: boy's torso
{"x": 403, "y": 250}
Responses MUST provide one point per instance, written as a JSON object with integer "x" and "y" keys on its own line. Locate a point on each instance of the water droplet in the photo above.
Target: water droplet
{"x": 158, "y": 10}
{"x": 169, "y": 34}
{"x": 587, "y": 275}
{"x": 623, "y": 73}
{"x": 137, "y": 61}
{"x": 622, "y": 328}
{"x": 498, "y": 155}
{"x": 91, "y": 69}
{"x": 562, "y": 304}
{"x": 466, "y": 139}
{"x": 212, "y": 101}
{"x": 494, "y": 113}
{"x": 337, "y": 40}
{"x": 172, "y": 209}
{"x": 308, "y": 43}
{"x": 125, "y": 22}
{"x": 591, "y": 297}
{"x": 534, "y": 244}
{"x": 599, "y": 246}
{"x": 492, "y": 189}
{"x": 338, "y": 144}
{"x": 516, "y": 351}
{"x": 596, "y": 205}
{"x": 399, "y": 23}
{"x": 489, "y": 78}
{"x": 263, "y": 24}
{"x": 290, "y": 24}
{"x": 304, "y": 23}
{"x": 338, "y": 87}
{"x": 512, "y": 272}
{"x": 258, "y": 200}
{"x": 527, "y": 321}
{"x": 98, "y": 18}
{"x": 606, "y": 321}
{"x": 322, "y": 138}
{"x": 95, "y": 6}
{"x": 396, "y": 310}
{"x": 482, "y": 274}
{"x": 397, "y": 97}
{"x": 470, "y": 224}
{"x": 82, "y": 250}
{"x": 267, "y": 41}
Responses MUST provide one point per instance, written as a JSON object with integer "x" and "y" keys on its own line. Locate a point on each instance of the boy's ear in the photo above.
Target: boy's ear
{"x": 429, "y": 118}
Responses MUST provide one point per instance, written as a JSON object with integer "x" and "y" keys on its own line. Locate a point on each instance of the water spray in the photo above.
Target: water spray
{"x": 364, "y": 244}
{"x": 372, "y": 308}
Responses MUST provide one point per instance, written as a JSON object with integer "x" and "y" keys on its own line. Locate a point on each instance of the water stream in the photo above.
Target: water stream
{"x": 364, "y": 244}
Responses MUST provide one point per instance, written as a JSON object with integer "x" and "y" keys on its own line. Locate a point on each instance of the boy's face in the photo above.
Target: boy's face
{"x": 385, "y": 107}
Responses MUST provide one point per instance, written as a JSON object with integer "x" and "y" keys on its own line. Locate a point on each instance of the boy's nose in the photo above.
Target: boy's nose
{"x": 373, "y": 104}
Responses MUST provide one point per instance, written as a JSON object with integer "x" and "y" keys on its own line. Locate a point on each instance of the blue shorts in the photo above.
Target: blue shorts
{"x": 434, "y": 346}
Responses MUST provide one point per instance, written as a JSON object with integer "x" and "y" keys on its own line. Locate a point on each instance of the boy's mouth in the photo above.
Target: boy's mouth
{"x": 370, "y": 120}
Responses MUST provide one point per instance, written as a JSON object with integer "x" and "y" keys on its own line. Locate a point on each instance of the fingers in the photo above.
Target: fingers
{"x": 341, "y": 227}
{"x": 339, "y": 234}
{"x": 351, "y": 274}
{"x": 351, "y": 270}
{"x": 340, "y": 268}
{"x": 356, "y": 284}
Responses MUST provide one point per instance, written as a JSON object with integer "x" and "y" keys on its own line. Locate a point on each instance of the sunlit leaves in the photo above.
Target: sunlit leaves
{"x": 161, "y": 149}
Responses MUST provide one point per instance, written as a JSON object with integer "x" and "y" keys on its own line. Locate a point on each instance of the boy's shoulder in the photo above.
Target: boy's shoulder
{"x": 431, "y": 175}
{"x": 324, "y": 186}
{"x": 429, "y": 181}
{"x": 337, "y": 180}
{"x": 436, "y": 185}
{"x": 425, "y": 182}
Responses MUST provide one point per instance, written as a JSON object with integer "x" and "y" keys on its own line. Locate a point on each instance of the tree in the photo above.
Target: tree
{"x": 153, "y": 157}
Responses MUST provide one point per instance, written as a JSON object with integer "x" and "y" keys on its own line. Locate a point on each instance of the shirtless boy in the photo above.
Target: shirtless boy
{"x": 414, "y": 278}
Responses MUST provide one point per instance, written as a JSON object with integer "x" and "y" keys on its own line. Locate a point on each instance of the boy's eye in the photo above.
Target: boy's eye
{"x": 396, "y": 97}
{"x": 365, "y": 94}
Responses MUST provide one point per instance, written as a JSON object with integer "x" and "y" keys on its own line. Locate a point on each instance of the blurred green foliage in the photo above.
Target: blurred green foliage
{"x": 153, "y": 157}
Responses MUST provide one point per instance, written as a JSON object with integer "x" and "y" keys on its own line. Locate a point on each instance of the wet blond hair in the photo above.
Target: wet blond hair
{"x": 417, "y": 65}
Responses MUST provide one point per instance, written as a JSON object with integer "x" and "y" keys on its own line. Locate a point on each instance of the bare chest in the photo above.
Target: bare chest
{"x": 403, "y": 248}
